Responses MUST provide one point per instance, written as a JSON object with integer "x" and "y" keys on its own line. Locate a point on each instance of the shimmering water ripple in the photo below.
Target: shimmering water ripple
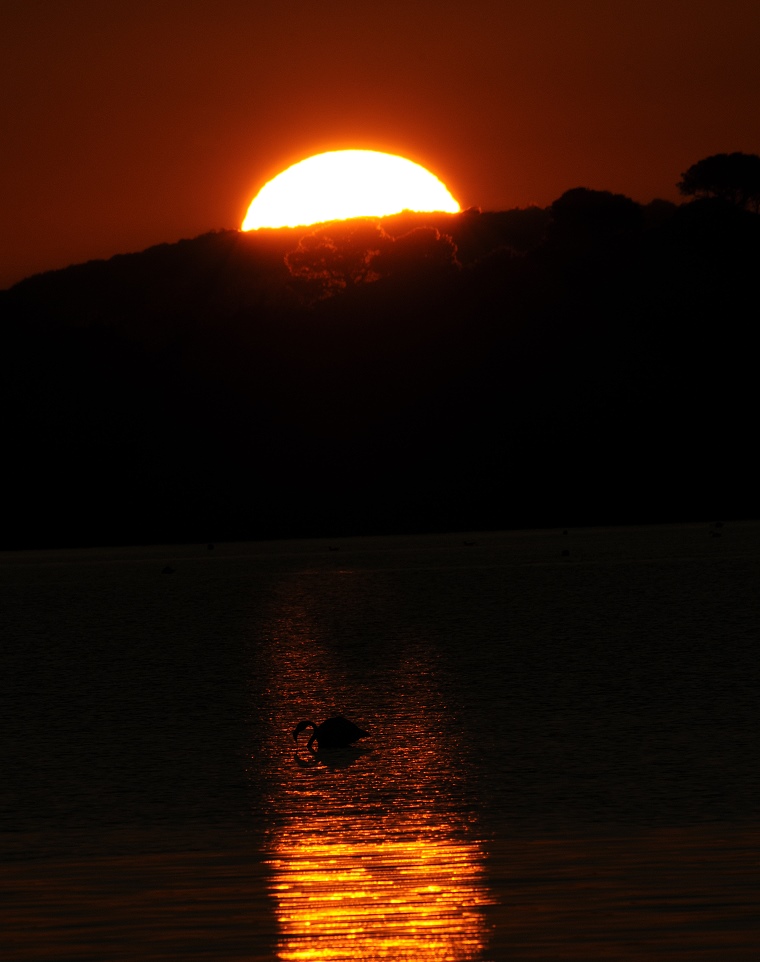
{"x": 561, "y": 762}
{"x": 373, "y": 854}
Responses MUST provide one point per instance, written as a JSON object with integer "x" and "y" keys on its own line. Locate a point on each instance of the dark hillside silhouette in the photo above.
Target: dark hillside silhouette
{"x": 590, "y": 363}
{"x": 340, "y": 256}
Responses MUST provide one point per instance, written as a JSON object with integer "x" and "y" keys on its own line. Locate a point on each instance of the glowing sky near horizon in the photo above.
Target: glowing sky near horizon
{"x": 133, "y": 123}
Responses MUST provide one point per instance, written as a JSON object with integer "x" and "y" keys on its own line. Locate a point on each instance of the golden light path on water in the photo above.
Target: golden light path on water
{"x": 345, "y": 897}
{"x": 372, "y": 852}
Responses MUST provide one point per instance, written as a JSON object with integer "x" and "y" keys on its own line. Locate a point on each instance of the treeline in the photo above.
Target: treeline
{"x": 592, "y": 362}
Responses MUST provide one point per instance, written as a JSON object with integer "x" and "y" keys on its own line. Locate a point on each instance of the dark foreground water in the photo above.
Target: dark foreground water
{"x": 563, "y": 762}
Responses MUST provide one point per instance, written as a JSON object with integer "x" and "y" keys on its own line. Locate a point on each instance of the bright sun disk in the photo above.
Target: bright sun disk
{"x": 347, "y": 183}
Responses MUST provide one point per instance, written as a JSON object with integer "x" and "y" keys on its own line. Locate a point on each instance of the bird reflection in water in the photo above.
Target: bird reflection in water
{"x": 331, "y": 758}
{"x": 335, "y": 746}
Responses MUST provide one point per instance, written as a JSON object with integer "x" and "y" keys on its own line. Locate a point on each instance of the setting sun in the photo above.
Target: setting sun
{"x": 347, "y": 183}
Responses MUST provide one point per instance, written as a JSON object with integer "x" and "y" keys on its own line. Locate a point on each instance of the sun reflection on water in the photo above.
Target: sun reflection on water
{"x": 373, "y": 850}
{"x": 345, "y": 896}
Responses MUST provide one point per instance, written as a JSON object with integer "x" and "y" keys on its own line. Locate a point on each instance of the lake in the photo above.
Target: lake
{"x": 562, "y": 759}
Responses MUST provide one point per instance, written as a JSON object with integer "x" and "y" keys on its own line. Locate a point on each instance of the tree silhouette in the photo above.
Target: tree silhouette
{"x": 582, "y": 215}
{"x": 731, "y": 177}
{"x": 353, "y": 252}
{"x": 338, "y": 256}
{"x": 422, "y": 251}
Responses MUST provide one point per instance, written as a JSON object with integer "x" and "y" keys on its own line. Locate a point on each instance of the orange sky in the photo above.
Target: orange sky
{"x": 133, "y": 122}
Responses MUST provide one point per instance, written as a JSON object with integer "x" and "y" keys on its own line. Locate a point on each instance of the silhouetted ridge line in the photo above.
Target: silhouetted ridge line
{"x": 587, "y": 363}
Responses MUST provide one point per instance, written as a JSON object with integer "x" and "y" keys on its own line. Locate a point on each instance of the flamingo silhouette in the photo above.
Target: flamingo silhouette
{"x": 336, "y": 732}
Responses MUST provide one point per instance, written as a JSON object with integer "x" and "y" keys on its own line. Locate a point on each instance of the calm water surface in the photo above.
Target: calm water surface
{"x": 562, "y": 762}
